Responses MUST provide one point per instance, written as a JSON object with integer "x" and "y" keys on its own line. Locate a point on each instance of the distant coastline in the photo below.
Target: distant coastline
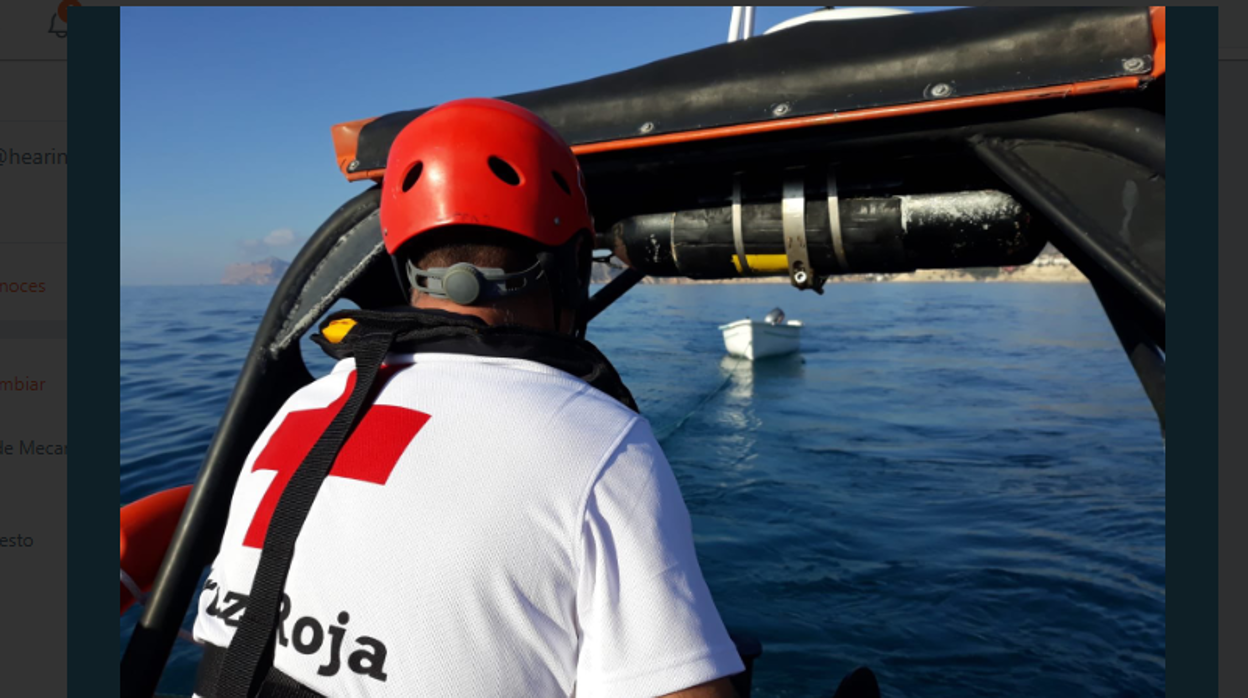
{"x": 266, "y": 272}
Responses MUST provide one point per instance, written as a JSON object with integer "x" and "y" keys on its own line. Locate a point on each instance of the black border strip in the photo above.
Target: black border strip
{"x": 1192, "y": 333}
{"x": 94, "y": 228}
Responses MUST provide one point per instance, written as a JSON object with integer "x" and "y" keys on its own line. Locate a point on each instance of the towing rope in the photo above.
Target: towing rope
{"x": 681, "y": 422}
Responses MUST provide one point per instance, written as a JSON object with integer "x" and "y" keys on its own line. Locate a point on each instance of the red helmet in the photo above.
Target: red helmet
{"x": 482, "y": 162}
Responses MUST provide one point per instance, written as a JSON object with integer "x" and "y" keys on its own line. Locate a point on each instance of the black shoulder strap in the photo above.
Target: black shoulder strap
{"x": 249, "y": 657}
{"x": 435, "y": 331}
{"x": 276, "y": 685}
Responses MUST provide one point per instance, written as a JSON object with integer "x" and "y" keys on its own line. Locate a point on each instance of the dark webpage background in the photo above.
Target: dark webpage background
{"x": 1192, "y": 490}
{"x": 33, "y": 381}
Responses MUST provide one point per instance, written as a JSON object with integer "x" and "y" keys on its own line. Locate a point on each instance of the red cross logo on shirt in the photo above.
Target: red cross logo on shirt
{"x": 370, "y": 453}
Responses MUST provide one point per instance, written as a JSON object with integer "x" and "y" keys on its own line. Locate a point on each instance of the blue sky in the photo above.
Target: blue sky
{"x": 226, "y": 154}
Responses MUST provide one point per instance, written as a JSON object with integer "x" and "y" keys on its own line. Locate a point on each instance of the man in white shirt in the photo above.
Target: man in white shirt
{"x": 493, "y": 520}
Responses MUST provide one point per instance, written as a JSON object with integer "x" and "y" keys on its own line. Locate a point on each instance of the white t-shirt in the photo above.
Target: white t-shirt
{"x": 494, "y": 527}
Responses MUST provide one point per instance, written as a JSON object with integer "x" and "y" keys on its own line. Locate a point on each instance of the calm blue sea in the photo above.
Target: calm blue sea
{"x": 959, "y": 485}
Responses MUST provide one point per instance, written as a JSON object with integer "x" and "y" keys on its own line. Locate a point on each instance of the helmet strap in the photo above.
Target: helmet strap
{"x": 560, "y": 267}
{"x": 467, "y": 284}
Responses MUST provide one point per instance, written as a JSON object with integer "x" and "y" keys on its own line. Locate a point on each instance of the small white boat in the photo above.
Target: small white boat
{"x": 753, "y": 339}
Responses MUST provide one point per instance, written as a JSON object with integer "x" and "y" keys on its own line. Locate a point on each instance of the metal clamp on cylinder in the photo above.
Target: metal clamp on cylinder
{"x": 793, "y": 215}
{"x": 738, "y": 237}
{"x": 834, "y": 222}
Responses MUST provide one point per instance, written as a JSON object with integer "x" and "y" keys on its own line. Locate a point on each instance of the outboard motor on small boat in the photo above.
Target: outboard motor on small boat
{"x": 775, "y": 317}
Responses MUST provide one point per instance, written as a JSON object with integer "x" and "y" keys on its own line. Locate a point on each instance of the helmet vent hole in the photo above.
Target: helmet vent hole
{"x": 563, "y": 183}
{"x": 504, "y": 171}
{"x": 409, "y": 180}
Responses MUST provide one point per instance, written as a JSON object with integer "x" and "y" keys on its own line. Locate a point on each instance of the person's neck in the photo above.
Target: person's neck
{"x": 524, "y": 316}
